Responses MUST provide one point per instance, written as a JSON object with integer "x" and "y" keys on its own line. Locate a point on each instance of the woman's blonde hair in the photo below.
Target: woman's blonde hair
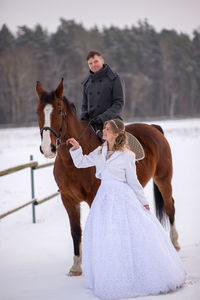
{"x": 118, "y": 127}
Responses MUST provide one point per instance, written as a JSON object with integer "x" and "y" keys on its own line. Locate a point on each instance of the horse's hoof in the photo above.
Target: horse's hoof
{"x": 76, "y": 269}
{"x": 74, "y": 273}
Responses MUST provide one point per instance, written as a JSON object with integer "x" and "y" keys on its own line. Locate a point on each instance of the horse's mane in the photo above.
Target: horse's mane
{"x": 50, "y": 97}
{"x": 71, "y": 106}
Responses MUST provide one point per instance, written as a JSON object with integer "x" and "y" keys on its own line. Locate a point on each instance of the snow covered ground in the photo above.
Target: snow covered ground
{"x": 34, "y": 258}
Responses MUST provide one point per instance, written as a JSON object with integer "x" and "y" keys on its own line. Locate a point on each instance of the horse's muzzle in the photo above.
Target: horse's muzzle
{"x": 53, "y": 149}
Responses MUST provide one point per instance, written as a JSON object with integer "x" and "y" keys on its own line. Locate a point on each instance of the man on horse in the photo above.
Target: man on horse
{"x": 103, "y": 93}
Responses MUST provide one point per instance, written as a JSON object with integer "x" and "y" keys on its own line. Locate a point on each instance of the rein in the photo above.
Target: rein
{"x": 58, "y": 140}
{"x": 59, "y": 143}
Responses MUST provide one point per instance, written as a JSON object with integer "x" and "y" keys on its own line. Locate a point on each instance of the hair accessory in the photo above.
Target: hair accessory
{"x": 114, "y": 123}
{"x": 121, "y": 130}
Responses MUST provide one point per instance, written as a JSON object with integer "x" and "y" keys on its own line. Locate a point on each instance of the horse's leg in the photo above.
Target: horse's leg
{"x": 73, "y": 211}
{"x": 174, "y": 235}
{"x": 165, "y": 202}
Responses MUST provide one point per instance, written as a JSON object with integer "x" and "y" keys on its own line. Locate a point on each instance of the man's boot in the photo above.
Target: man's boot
{"x": 99, "y": 133}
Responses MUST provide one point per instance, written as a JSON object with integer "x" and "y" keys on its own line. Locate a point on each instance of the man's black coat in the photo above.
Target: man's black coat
{"x": 103, "y": 95}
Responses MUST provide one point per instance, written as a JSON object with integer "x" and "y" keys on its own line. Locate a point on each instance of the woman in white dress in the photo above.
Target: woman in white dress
{"x": 126, "y": 252}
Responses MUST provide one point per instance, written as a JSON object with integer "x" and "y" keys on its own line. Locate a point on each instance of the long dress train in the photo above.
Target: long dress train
{"x": 126, "y": 252}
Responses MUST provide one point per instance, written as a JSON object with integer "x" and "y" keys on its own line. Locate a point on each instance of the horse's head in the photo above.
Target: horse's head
{"x": 50, "y": 117}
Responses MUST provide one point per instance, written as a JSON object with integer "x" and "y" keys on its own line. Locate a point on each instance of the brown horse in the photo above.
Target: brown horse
{"x": 58, "y": 121}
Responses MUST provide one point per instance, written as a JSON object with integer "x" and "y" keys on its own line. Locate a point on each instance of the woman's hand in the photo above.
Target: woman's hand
{"x": 147, "y": 207}
{"x": 73, "y": 142}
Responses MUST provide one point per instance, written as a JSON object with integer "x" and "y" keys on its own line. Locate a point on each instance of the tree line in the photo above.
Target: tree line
{"x": 161, "y": 70}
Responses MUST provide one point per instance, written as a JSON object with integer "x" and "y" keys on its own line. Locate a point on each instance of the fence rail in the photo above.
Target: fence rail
{"x": 33, "y": 165}
{"x": 16, "y": 209}
{"x": 18, "y": 168}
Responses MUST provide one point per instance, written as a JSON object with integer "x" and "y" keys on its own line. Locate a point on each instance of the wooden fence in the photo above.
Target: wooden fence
{"x": 33, "y": 165}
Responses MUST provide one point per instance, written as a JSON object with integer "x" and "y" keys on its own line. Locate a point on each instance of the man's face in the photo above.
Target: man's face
{"x": 95, "y": 63}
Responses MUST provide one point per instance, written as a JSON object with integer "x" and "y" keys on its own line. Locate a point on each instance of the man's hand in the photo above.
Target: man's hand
{"x": 96, "y": 121}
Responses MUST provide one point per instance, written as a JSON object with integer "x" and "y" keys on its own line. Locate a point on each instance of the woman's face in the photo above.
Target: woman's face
{"x": 108, "y": 134}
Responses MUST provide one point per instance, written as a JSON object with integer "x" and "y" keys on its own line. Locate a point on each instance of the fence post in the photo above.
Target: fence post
{"x": 32, "y": 191}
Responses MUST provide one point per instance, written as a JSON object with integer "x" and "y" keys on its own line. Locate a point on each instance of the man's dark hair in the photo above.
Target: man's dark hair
{"x": 92, "y": 54}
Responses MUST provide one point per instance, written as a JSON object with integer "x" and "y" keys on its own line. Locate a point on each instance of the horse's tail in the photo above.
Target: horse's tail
{"x": 159, "y": 205}
{"x": 159, "y": 202}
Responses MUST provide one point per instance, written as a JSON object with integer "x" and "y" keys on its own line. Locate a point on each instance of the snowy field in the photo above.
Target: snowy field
{"x": 34, "y": 258}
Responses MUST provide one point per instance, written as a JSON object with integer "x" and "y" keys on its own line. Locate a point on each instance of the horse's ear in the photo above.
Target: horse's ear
{"x": 60, "y": 90}
{"x": 39, "y": 89}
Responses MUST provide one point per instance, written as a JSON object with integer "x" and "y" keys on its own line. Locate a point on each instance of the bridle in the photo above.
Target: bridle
{"x": 58, "y": 136}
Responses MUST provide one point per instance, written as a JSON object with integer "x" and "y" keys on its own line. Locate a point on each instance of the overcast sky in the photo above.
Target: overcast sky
{"x": 181, "y": 15}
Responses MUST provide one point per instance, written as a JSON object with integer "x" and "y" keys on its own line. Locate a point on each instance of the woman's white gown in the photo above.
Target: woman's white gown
{"x": 126, "y": 252}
